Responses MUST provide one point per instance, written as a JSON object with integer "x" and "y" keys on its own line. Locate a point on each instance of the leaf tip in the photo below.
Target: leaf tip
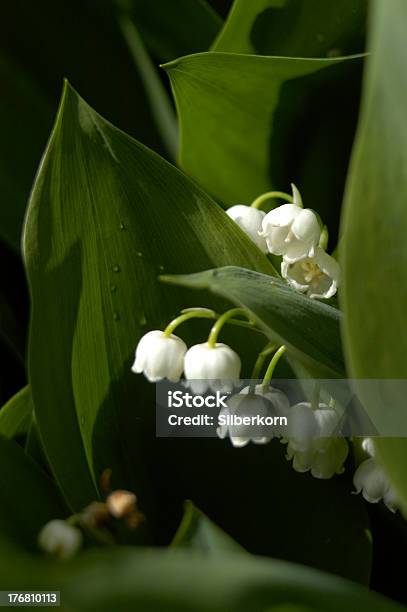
{"x": 168, "y": 66}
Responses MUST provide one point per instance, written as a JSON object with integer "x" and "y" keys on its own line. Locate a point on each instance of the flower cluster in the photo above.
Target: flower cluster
{"x": 295, "y": 234}
{"x": 161, "y": 354}
{"x": 309, "y": 430}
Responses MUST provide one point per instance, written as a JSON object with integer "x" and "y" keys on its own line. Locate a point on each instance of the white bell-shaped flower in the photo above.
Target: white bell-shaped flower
{"x": 60, "y": 539}
{"x": 208, "y": 366}
{"x": 311, "y": 442}
{"x": 263, "y": 403}
{"x": 291, "y": 231}
{"x": 160, "y": 356}
{"x": 317, "y": 276}
{"x": 249, "y": 219}
{"x": 371, "y": 480}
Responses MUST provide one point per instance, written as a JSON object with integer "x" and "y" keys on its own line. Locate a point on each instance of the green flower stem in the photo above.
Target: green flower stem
{"x": 323, "y": 240}
{"x": 192, "y": 314}
{"x": 268, "y": 196}
{"x": 214, "y": 333}
{"x": 272, "y": 365}
{"x": 268, "y": 349}
{"x": 206, "y": 313}
{"x": 258, "y": 366}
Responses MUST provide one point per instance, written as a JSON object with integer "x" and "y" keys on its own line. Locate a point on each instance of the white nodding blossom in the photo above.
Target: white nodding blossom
{"x": 268, "y": 402}
{"x": 249, "y": 219}
{"x": 205, "y": 365}
{"x": 311, "y": 441}
{"x": 371, "y": 480}
{"x": 60, "y": 539}
{"x": 317, "y": 276}
{"x": 291, "y": 231}
{"x": 160, "y": 356}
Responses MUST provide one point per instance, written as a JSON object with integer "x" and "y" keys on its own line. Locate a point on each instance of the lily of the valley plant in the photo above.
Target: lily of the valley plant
{"x": 296, "y": 235}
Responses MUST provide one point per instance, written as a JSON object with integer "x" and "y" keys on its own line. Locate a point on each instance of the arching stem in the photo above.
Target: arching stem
{"x": 269, "y": 195}
{"x": 272, "y": 366}
{"x": 214, "y": 333}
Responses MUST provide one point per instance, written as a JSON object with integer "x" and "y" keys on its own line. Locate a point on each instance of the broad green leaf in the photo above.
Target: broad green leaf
{"x": 173, "y": 29}
{"x": 106, "y": 217}
{"x": 251, "y": 123}
{"x": 33, "y": 446}
{"x": 28, "y": 498}
{"x": 161, "y": 106}
{"x": 15, "y": 416}
{"x": 174, "y": 581}
{"x": 309, "y": 328}
{"x": 296, "y": 28}
{"x": 199, "y": 533}
{"x": 374, "y": 250}
{"x": 24, "y": 110}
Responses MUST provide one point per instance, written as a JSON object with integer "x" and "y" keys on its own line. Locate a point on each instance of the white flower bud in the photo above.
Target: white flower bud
{"x": 160, "y": 356}
{"x": 368, "y": 446}
{"x": 267, "y": 403}
{"x": 317, "y": 276}
{"x": 291, "y": 231}
{"x": 120, "y": 503}
{"x": 371, "y": 480}
{"x": 249, "y": 219}
{"x": 311, "y": 443}
{"x": 60, "y": 539}
{"x": 210, "y": 364}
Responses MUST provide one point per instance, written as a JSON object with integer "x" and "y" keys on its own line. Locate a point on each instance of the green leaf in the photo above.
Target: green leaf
{"x": 24, "y": 110}
{"x": 15, "y": 416}
{"x": 107, "y": 216}
{"x": 296, "y": 28}
{"x": 251, "y": 123}
{"x": 174, "y": 581}
{"x": 171, "y": 31}
{"x": 309, "y": 328}
{"x": 374, "y": 250}
{"x": 28, "y": 498}
{"x": 161, "y": 106}
{"x": 200, "y": 534}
